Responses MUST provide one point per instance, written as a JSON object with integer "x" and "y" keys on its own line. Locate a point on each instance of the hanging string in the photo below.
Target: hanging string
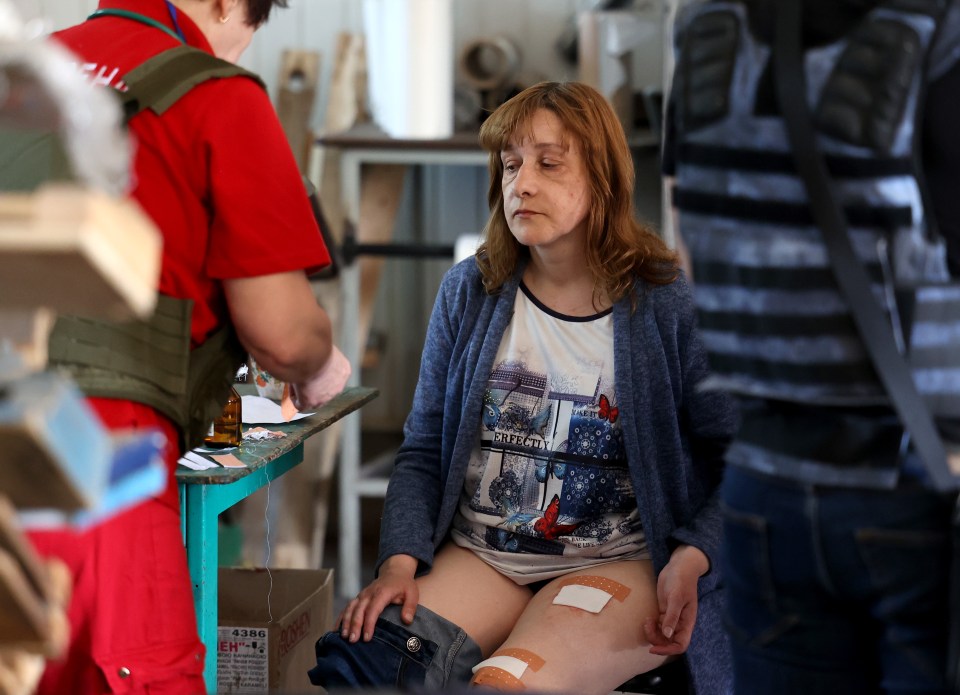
{"x": 266, "y": 516}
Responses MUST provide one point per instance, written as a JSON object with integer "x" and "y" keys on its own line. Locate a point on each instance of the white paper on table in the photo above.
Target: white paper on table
{"x": 196, "y": 461}
{"x": 260, "y": 410}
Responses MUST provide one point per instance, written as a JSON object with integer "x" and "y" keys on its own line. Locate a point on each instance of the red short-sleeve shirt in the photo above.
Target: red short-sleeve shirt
{"x": 215, "y": 171}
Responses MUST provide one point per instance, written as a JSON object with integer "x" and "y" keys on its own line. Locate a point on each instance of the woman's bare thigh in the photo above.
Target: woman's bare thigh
{"x": 470, "y": 593}
{"x": 579, "y": 651}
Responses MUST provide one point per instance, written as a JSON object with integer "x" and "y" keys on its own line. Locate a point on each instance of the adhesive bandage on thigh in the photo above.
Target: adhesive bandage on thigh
{"x": 504, "y": 669}
{"x": 590, "y": 593}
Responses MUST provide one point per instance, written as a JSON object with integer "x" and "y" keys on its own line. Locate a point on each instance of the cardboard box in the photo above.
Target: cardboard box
{"x": 257, "y": 655}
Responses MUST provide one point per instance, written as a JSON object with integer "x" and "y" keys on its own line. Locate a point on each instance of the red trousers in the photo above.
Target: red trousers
{"x": 132, "y": 622}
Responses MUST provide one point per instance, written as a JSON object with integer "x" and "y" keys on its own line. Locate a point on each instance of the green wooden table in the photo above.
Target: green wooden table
{"x": 204, "y": 495}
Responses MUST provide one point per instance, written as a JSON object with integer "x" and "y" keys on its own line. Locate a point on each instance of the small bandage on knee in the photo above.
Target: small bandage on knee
{"x": 503, "y": 670}
{"x": 590, "y": 593}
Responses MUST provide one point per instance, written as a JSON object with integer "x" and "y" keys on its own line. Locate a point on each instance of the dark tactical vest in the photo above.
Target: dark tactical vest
{"x": 151, "y": 361}
{"x": 773, "y": 320}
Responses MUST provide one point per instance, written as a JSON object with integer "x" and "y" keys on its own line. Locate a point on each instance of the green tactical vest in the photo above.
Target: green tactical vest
{"x": 150, "y": 361}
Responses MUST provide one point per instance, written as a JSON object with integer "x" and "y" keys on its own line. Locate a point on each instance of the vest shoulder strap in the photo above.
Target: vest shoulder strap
{"x": 158, "y": 83}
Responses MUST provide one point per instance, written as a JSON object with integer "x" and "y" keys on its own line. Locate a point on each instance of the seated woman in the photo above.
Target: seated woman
{"x": 551, "y": 523}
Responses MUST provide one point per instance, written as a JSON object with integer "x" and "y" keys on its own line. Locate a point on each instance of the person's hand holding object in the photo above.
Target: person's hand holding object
{"x": 323, "y": 385}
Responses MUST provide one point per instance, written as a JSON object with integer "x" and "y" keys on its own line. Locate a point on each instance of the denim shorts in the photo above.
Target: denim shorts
{"x": 429, "y": 655}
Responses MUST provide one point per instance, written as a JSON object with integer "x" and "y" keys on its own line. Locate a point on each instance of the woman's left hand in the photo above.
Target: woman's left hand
{"x": 677, "y": 596}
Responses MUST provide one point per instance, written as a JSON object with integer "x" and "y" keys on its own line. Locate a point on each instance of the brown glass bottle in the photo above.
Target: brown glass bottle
{"x": 227, "y": 428}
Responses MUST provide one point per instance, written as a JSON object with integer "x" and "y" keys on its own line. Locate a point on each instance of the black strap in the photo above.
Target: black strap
{"x": 874, "y": 328}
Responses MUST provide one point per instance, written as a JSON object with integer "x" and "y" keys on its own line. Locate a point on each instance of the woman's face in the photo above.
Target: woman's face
{"x": 545, "y": 188}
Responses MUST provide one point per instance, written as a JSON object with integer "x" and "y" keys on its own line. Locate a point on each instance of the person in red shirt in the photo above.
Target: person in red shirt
{"x": 216, "y": 174}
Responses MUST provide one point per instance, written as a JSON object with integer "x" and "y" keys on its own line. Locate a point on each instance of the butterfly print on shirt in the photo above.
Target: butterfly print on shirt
{"x": 607, "y": 411}
{"x": 547, "y": 524}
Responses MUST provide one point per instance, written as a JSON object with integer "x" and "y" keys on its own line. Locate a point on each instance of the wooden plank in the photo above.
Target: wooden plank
{"x": 299, "y": 77}
{"x": 33, "y": 596}
{"x": 22, "y": 613}
{"x": 381, "y": 189}
{"x": 346, "y": 106}
{"x": 20, "y": 551}
{"x": 381, "y": 185}
{"x": 27, "y": 332}
{"x": 62, "y": 239}
{"x": 26, "y": 593}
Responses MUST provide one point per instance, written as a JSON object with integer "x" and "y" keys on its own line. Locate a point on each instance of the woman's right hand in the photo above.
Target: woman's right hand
{"x": 395, "y": 584}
